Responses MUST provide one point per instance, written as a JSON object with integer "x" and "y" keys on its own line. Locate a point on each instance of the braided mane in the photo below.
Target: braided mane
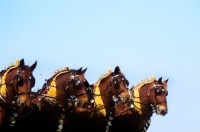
{"x": 104, "y": 76}
{"x": 145, "y": 81}
{"x": 98, "y": 100}
{"x": 136, "y": 93}
{"x": 52, "y": 87}
{"x": 60, "y": 71}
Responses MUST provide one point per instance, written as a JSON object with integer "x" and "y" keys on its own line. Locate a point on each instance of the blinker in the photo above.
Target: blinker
{"x": 77, "y": 82}
{"x": 19, "y": 80}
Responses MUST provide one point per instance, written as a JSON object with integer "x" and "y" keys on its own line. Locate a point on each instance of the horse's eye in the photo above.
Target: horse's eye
{"x": 158, "y": 90}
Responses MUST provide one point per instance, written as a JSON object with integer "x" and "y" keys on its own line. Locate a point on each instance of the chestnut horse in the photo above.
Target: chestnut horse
{"x": 54, "y": 104}
{"x": 149, "y": 96}
{"x": 83, "y": 104}
{"x": 110, "y": 89}
{"x": 15, "y": 87}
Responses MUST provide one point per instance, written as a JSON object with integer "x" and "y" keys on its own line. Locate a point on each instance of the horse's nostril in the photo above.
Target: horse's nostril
{"x": 163, "y": 112}
{"x": 22, "y": 105}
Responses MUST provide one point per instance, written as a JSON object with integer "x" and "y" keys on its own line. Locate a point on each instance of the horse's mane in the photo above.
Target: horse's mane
{"x": 98, "y": 100}
{"x": 136, "y": 93}
{"x": 145, "y": 81}
{"x": 104, "y": 76}
{"x": 52, "y": 86}
{"x": 15, "y": 64}
{"x": 60, "y": 71}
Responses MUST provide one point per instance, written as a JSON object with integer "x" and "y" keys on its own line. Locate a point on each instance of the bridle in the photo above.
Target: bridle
{"x": 78, "y": 86}
{"x": 158, "y": 89}
{"x": 114, "y": 82}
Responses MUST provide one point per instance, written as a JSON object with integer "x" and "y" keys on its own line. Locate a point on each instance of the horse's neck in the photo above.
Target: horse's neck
{"x": 61, "y": 86}
{"x": 10, "y": 93}
{"x": 144, "y": 93}
{"x": 11, "y": 75}
{"x": 63, "y": 80}
{"x": 141, "y": 99}
{"x": 105, "y": 92}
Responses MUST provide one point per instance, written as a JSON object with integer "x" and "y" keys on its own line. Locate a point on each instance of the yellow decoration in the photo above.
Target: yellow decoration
{"x": 3, "y": 88}
{"x": 98, "y": 100}
{"x": 52, "y": 88}
{"x": 136, "y": 89}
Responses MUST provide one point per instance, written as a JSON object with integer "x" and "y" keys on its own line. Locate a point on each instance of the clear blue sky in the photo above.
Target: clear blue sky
{"x": 141, "y": 37}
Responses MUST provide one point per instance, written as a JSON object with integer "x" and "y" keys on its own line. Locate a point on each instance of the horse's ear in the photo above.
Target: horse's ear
{"x": 166, "y": 80}
{"x": 22, "y": 64}
{"x": 83, "y": 71}
{"x": 132, "y": 88}
{"x": 160, "y": 80}
{"x": 117, "y": 69}
{"x": 80, "y": 70}
{"x": 33, "y": 66}
{"x": 92, "y": 86}
{"x": 127, "y": 82}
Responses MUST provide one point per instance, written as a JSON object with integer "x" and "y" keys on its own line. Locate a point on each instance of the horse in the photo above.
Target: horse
{"x": 16, "y": 83}
{"x": 149, "y": 96}
{"x": 53, "y": 105}
{"x": 110, "y": 89}
{"x": 83, "y": 105}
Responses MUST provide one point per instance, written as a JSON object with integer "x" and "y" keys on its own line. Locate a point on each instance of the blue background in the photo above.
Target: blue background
{"x": 143, "y": 38}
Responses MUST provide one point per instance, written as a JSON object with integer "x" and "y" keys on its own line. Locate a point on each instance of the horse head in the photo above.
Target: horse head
{"x": 15, "y": 86}
{"x": 80, "y": 88}
{"x": 119, "y": 86}
{"x": 23, "y": 83}
{"x": 151, "y": 95}
{"x": 17, "y": 81}
{"x": 159, "y": 96}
